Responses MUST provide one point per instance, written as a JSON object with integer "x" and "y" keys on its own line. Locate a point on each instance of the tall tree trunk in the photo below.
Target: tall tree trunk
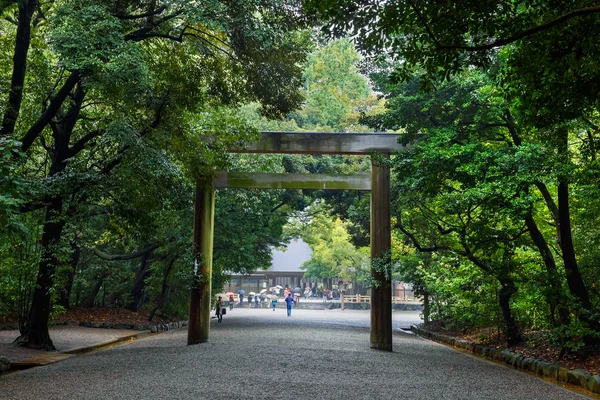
{"x": 35, "y": 330}
{"x": 426, "y": 308}
{"x": 139, "y": 285}
{"x": 574, "y": 278}
{"x": 88, "y": 302}
{"x": 513, "y": 335}
{"x": 555, "y": 299}
{"x": 163, "y": 293}
{"x": 562, "y": 217}
{"x": 65, "y": 294}
{"x": 22, "y": 42}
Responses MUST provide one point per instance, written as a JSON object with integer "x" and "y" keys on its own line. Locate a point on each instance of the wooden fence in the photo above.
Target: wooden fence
{"x": 353, "y": 298}
{"x": 356, "y": 298}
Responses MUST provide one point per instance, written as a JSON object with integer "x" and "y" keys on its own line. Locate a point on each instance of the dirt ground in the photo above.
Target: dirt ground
{"x": 66, "y": 333}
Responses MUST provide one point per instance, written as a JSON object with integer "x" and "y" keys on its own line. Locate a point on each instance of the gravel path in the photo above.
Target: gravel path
{"x": 261, "y": 354}
{"x": 64, "y": 337}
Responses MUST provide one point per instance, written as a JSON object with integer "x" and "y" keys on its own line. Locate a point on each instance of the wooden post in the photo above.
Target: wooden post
{"x": 381, "y": 291}
{"x": 200, "y": 297}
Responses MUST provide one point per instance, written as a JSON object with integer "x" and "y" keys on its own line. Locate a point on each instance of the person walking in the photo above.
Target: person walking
{"x": 289, "y": 301}
{"x": 218, "y": 309}
{"x": 241, "y": 298}
{"x": 274, "y": 302}
{"x": 230, "y": 302}
{"x": 263, "y": 299}
{"x": 256, "y": 301}
{"x": 249, "y": 301}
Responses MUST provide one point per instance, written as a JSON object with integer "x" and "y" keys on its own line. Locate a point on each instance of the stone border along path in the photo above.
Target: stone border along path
{"x": 261, "y": 354}
{"x": 545, "y": 369}
{"x": 76, "y": 339}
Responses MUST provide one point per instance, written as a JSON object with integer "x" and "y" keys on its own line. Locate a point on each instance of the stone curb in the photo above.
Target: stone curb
{"x": 5, "y": 364}
{"x": 137, "y": 327}
{"x": 545, "y": 369}
{"x": 97, "y": 346}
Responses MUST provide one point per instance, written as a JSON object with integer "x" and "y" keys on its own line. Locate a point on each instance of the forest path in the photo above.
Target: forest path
{"x": 263, "y": 354}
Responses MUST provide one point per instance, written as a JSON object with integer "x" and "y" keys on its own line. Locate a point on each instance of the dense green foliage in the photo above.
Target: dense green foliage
{"x": 110, "y": 112}
{"x": 493, "y": 202}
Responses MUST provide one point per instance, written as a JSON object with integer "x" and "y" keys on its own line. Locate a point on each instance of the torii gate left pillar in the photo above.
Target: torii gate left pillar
{"x": 200, "y": 294}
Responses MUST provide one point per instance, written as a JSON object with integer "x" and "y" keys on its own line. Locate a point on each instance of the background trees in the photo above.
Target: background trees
{"x": 112, "y": 91}
{"x": 498, "y": 99}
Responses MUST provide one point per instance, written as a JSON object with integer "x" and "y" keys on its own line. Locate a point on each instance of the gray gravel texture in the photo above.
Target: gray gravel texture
{"x": 263, "y": 354}
{"x": 64, "y": 337}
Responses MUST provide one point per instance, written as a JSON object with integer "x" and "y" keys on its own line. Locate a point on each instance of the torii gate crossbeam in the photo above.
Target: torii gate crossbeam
{"x": 303, "y": 143}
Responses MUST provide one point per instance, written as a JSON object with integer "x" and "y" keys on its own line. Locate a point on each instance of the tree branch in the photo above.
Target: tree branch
{"x": 416, "y": 243}
{"x": 77, "y": 147}
{"x": 159, "y": 10}
{"x": 53, "y": 108}
{"x": 549, "y": 200}
{"x": 523, "y": 34}
{"x": 209, "y": 44}
{"x": 471, "y": 257}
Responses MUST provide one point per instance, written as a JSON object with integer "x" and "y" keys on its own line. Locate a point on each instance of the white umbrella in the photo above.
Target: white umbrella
{"x": 252, "y": 294}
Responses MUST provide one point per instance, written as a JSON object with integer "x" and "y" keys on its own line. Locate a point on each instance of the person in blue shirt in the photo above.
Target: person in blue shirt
{"x": 289, "y": 301}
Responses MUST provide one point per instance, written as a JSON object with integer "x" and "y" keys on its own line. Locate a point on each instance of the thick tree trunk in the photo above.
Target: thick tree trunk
{"x": 513, "y": 335}
{"x": 139, "y": 285}
{"x": 35, "y": 330}
{"x": 555, "y": 299}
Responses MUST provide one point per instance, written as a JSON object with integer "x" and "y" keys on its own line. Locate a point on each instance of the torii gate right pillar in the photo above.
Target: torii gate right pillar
{"x": 381, "y": 243}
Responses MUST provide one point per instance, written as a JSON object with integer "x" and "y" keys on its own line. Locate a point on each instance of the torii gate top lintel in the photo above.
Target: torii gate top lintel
{"x": 324, "y": 143}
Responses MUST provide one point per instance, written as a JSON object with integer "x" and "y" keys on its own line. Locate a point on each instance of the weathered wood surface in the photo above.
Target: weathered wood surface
{"x": 200, "y": 296}
{"x": 381, "y": 243}
{"x": 249, "y": 180}
{"x": 324, "y": 143}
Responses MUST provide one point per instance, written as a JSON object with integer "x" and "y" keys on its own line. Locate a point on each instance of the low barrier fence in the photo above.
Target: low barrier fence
{"x": 356, "y": 298}
{"x": 352, "y": 298}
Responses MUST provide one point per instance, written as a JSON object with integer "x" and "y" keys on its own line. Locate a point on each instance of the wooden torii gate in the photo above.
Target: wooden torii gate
{"x": 378, "y": 182}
